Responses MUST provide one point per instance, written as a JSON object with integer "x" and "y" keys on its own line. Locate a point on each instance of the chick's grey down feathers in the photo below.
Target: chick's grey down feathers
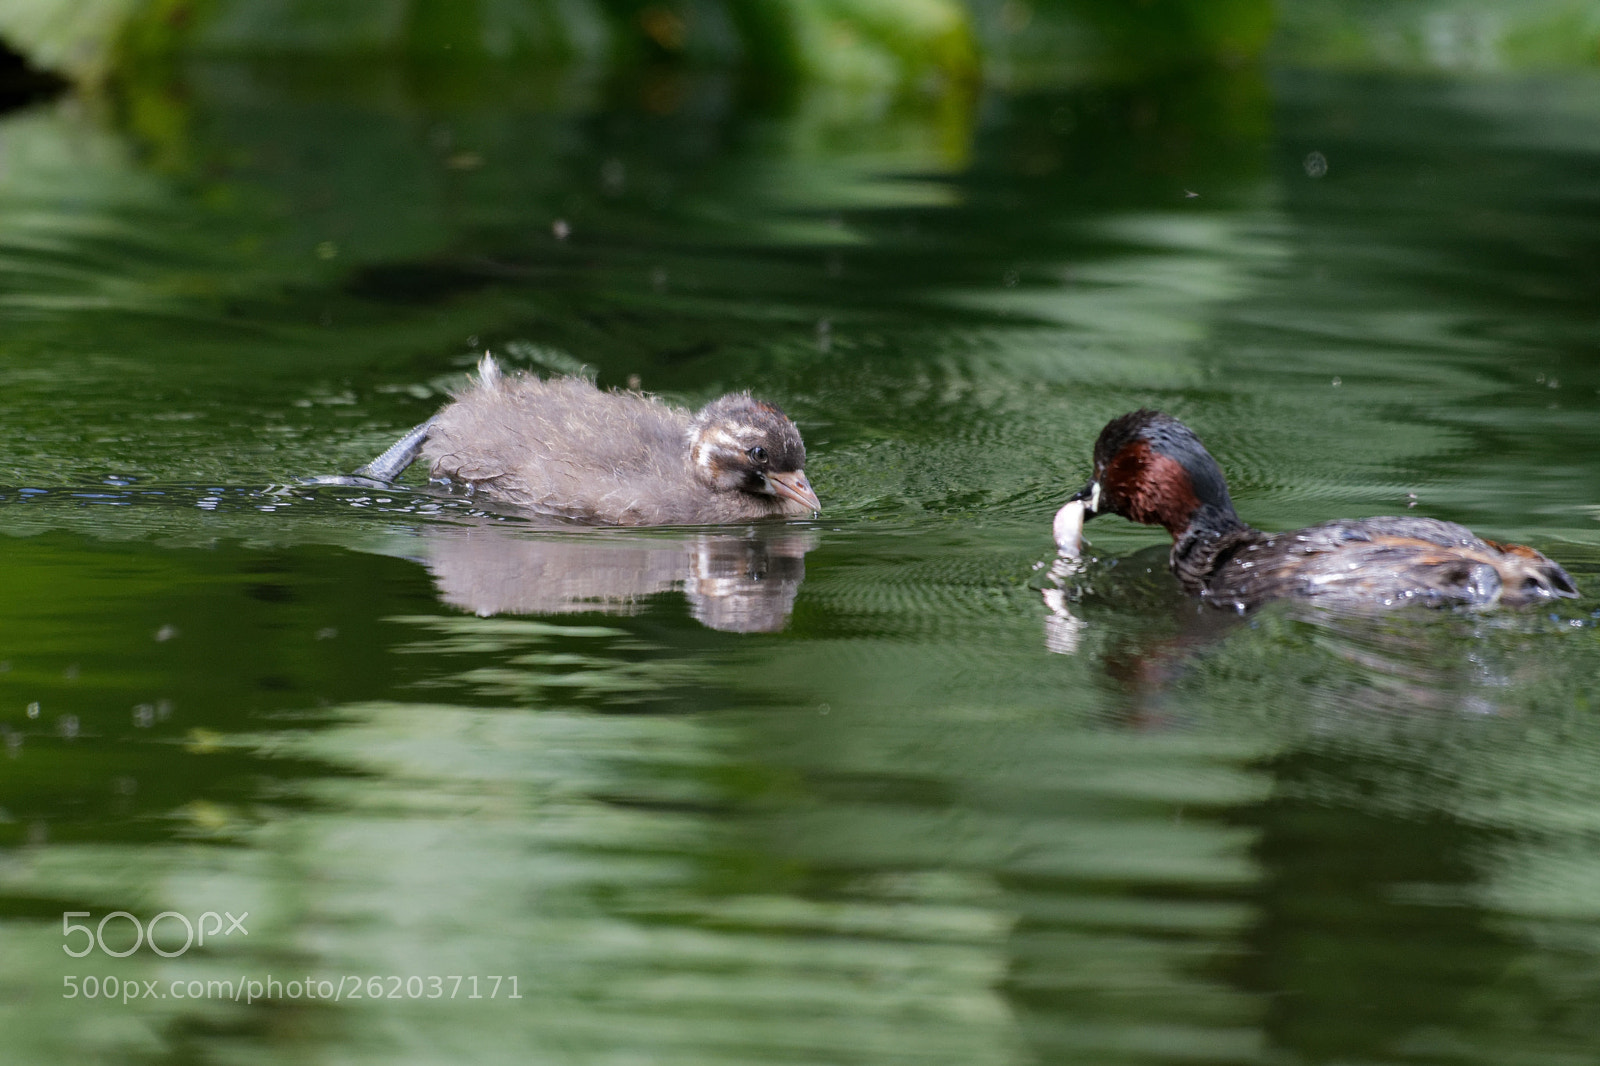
{"x": 564, "y": 447}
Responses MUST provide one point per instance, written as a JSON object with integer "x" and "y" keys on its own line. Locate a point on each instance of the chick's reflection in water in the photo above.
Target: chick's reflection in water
{"x": 741, "y": 582}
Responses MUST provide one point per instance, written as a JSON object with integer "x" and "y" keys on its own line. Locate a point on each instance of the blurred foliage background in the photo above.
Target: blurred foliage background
{"x": 866, "y": 44}
{"x": 884, "y": 72}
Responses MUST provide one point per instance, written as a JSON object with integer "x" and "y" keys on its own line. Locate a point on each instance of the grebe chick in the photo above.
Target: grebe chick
{"x": 565, "y": 447}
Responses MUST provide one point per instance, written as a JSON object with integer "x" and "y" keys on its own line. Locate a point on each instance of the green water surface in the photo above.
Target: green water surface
{"x": 877, "y": 788}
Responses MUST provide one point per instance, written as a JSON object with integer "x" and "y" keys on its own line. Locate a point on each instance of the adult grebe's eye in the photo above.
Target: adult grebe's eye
{"x": 758, "y": 455}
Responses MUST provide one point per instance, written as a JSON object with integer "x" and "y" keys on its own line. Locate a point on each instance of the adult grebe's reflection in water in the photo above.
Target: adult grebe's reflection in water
{"x": 1062, "y": 628}
{"x": 742, "y": 581}
{"x": 1150, "y": 639}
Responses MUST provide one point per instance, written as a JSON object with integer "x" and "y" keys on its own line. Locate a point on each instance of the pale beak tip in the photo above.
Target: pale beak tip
{"x": 794, "y": 486}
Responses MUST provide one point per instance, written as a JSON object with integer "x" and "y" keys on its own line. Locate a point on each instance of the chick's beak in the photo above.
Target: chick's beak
{"x": 1090, "y": 496}
{"x": 794, "y": 486}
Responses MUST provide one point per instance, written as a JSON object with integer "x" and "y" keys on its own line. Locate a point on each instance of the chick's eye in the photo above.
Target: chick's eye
{"x": 758, "y": 454}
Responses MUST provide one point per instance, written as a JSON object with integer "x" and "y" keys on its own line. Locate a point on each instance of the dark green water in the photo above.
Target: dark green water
{"x": 853, "y": 791}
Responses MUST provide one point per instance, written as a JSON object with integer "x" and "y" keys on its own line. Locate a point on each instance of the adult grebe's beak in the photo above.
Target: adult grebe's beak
{"x": 794, "y": 486}
{"x": 1090, "y": 497}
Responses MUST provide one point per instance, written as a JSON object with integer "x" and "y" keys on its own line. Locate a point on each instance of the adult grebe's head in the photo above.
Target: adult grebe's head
{"x": 1151, "y": 468}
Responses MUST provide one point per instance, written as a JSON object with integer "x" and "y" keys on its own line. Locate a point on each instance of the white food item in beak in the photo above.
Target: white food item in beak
{"x": 1068, "y": 529}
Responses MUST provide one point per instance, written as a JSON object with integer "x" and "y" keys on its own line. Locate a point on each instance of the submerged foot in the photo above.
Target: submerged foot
{"x": 380, "y": 472}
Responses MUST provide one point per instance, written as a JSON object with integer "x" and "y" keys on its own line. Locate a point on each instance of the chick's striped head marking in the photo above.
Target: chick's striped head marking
{"x": 741, "y": 444}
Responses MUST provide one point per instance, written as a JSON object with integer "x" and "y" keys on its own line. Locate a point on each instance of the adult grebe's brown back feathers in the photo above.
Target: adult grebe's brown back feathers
{"x": 1387, "y": 561}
